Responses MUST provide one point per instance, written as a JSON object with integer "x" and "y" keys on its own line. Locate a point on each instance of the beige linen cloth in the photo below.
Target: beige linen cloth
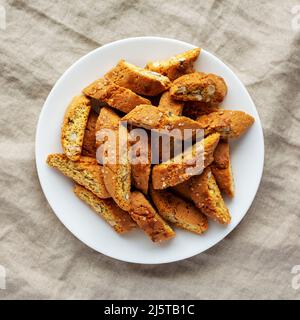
{"x": 259, "y": 40}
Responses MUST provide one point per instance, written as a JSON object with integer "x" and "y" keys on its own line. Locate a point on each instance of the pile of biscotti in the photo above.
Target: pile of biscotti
{"x": 165, "y": 94}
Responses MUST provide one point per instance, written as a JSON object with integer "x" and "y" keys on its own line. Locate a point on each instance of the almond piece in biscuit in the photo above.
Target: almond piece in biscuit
{"x": 115, "y": 96}
{"x": 86, "y": 172}
{"x": 179, "y": 212}
{"x": 73, "y": 127}
{"x": 169, "y": 105}
{"x": 89, "y": 139}
{"x": 150, "y": 117}
{"x": 107, "y": 209}
{"x": 221, "y": 168}
{"x": 199, "y": 86}
{"x": 117, "y": 169}
{"x": 175, "y": 66}
{"x": 207, "y": 197}
{"x": 182, "y": 167}
{"x": 148, "y": 219}
{"x": 229, "y": 123}
{"x": 139, "y": 80}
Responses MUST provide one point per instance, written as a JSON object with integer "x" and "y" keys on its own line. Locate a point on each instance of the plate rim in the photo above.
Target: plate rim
{"x": 79, "y": 61}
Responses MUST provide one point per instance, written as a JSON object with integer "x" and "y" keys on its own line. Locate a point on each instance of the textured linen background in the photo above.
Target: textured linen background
{"x": 42, "y": 258}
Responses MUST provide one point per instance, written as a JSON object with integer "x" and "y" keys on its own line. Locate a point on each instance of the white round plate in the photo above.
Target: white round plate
{"x": 247, "y": 154}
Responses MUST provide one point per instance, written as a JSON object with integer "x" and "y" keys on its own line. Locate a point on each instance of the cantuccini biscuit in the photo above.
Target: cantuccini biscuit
{"x": 183, "y": 190}
{"x": 169, "y": 105}
{"x": 73, "y": 127}
{"x": 179, "y": 212}
{"x": 199, "y": 86}
{"x": 116, "y": 165}
{"x": 107, "y": 209}
{"x": 207, "y": 197}
{"x": 195, "y": 109}
{"x": 175, "y": 171}
{"x": 141, "y": 167}
{"x": 89, "y": 139}
{"x": 85, "y": 171}
{"x": 139, "y": 80}
{"x": 143, "y": 213}
{"x": 175, "y": 66}
{"x": 150, "y": 117}
{"x": 229, "y": 123}
{"x": 221, "y": 168}
{"x": 115, "y": 96}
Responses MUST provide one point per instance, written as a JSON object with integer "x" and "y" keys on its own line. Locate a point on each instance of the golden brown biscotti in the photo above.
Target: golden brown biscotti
{"x": 207, "y": 197}
{"x": 150, "y": 117}
{"x": 195, "y": 109}
{"x": 176, "y": 66}
{"x": 89, "y": 139}
{"x": 73, "y": 127}
{"x": 141, "y": 168}
{"x": 139, "y": 80}
{"x": 199, "y": 87}
{"x": 116, "y": 165}
{"x": 179, "y": 212}
{"x": 86, "y": 172}
{"x": 169, "y": 105}
{"x": 107, "y": 119}
{"x": 185, "y": 165}
{"x": 115, "y": 96}
{"x": 107, "y": 209}
{"x": 229, "y": 123}
{"x": 183, "y": 190}
{"x": 148, "y": 219}
{"x": 221, "y": 168}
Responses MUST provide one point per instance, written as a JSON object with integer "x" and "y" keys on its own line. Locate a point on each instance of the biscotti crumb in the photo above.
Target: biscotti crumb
{"x": 107, "y": 209}
{"x": 73, "y": 127}
{"x": 85, "y": 171}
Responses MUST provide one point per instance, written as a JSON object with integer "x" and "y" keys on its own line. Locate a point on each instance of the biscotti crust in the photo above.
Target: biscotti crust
{"x": 73, "y": 127}
{"x": 175, "y": 66}
{"x": 117, "y": 174}
{"x": 141, "y": 170}
{"x": 229, "y": 123}
{"x": 107, "y": 209}
{"x": 198, "y": 86}
{"x": 221, "y": 168}
{"x": 139, "y": 80}
{"x": 148, "y": 219}
{"x": 86, "y": 172}
{"x": 89, "y": 139}
{"x": 196, "y": 109}
{"x": 150, "y": 117}
{"x": 179, "y": 212}
{"x": 115, "y": 96}
{"x": 207, "y": 197}
{"x": 174, "y": 171}
{"x": 170, "y": 106}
